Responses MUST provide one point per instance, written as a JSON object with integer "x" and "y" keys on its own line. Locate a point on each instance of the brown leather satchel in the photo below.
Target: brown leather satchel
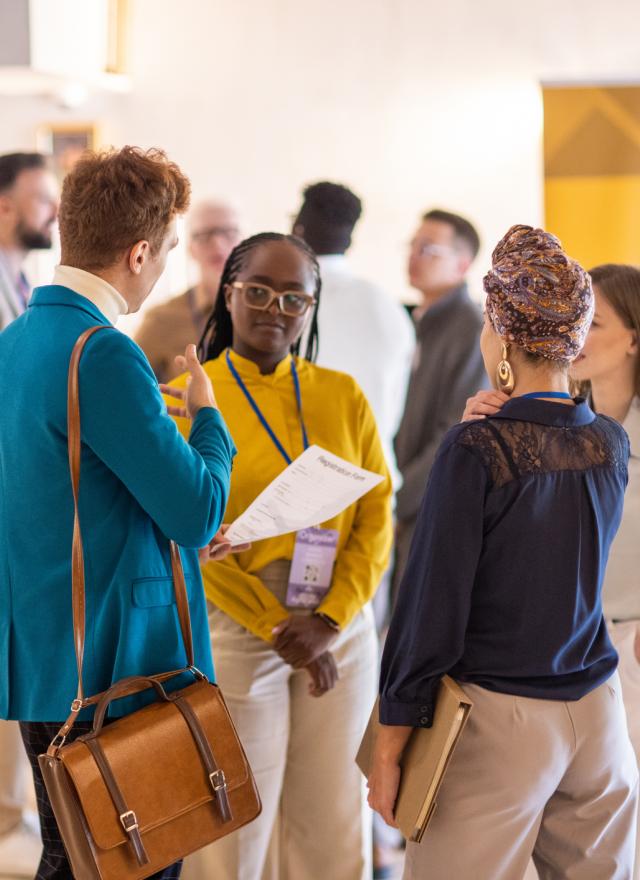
{"x": 139, "y": 794}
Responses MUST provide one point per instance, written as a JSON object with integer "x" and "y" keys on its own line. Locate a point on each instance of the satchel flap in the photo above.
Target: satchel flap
{"x": 156, "y": 764}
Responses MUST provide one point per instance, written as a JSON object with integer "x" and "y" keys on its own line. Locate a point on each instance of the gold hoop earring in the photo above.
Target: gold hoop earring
{"x": 504, "y": 374}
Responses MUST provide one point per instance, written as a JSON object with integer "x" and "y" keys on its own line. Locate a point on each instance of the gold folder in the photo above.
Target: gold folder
{"x": 425, "y": 758}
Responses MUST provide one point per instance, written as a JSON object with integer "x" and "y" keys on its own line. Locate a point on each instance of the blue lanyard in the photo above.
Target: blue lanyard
{"x": 558, "y": 395}
{"x": 265, "y": 424}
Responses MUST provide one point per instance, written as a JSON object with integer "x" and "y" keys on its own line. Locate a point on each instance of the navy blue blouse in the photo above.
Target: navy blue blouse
{"x": 502, "y": 586}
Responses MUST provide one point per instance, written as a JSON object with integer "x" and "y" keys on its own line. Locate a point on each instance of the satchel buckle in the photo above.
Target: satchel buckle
{"x": 58, "y": 741}
{"x": 218, "y": 780}
{"x": 76, "y": 705}
{"x": 197, "y": 674}
{"x": 129, "y": 821}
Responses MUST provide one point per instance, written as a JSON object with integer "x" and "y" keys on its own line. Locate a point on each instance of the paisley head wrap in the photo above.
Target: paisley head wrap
{"x": 537, "y": 297}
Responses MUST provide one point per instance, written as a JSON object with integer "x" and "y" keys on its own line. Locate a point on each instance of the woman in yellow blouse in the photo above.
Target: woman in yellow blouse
{"x": 299, "y": 681}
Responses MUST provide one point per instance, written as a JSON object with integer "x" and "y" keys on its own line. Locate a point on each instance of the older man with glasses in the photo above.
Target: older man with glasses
{"x": 213, "y": 232}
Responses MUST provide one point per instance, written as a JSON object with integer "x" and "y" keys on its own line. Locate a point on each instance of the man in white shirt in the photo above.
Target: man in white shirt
{"x": 362, "y": 330}
{"x": 28, "y": 209}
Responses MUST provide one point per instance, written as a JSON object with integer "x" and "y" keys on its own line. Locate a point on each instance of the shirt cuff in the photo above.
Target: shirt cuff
{"x": 264, "y": 625}
{"x": 208, "y": 415}
{"x": 338, "y": 608}
{"x": 406, "y": 714}
{"x": 334, "y": 611}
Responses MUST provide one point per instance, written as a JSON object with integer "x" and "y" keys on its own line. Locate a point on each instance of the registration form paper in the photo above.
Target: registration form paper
{"x": 314, "y": 488}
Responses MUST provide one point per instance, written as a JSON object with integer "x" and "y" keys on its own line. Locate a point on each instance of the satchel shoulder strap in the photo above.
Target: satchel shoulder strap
{"x": 77, "y": 558}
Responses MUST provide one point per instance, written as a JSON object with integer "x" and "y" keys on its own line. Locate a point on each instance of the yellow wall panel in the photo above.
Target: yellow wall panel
{"x": 592, "y": 171}
{"x": 564, "y": 112}
{"x": 597, "y": 219}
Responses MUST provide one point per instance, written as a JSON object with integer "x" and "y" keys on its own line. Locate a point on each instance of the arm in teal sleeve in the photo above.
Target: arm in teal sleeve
{"x": 183, "y": 486}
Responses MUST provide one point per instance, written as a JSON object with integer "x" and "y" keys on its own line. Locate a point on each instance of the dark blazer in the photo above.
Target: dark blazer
{"x": 448, "y": 369}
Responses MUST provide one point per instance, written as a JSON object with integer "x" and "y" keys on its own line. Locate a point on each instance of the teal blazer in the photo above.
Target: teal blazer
{"x": 140, "y": 485}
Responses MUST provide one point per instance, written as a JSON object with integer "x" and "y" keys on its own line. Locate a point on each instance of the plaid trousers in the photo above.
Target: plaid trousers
{"x": 54, "y": 864}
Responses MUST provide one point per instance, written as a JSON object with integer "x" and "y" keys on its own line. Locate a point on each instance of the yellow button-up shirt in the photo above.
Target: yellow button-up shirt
{"x": 338, "y": 418}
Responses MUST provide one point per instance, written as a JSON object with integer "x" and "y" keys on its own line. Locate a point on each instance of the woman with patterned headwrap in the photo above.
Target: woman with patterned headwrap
{"x": 502, "y": 592}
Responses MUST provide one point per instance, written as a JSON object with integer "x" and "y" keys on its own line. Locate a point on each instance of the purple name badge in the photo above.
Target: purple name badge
{"x": 311, "y": 567}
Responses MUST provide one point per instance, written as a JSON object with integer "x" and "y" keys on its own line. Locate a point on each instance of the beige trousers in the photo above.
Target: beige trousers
{"x": 315, "y": 824}
{"x": 623, "y": 636}
{"x": 554, "y": 780}
{"x": 14, "y": 775}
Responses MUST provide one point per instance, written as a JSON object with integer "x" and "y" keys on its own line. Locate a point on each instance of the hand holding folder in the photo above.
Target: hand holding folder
{"x": 424, "y": 759}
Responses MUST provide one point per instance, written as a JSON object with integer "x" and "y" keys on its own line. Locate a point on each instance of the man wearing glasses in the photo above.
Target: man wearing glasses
{"x": 28, "y": 210}
{"x": 447, "y": 367}
{"x": 213, "y": 232}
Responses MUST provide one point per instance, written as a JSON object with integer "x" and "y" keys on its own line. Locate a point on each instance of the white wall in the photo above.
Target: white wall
{"x": 413, "y": 103}
{"x": 52, "y": 24}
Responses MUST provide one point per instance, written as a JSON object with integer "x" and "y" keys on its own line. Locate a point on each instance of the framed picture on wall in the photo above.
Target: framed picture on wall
{"x": 66, "y": 142}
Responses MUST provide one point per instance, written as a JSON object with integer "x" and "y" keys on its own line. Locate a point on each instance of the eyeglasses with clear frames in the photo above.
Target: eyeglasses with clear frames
{"x": 206, "y": 236}
{"x": 429, "y": 249}
{"x": 293, "y": 303}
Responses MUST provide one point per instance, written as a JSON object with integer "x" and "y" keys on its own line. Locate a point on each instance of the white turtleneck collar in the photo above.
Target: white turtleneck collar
{"x": 98, "y": 291}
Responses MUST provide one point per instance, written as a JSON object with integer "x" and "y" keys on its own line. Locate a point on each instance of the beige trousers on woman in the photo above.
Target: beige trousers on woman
{"x": 315, "y": 824}
{"x": 554, "y": 780}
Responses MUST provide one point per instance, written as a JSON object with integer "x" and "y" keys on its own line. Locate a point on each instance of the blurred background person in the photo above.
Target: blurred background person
{"x": 447, "y": 367}
{"x": 299, "y": 679}
{"x": 363, "y": 330}
{"x": 28, "y": 210}
{"x": 213, "y": 230}
{"x": 608, "y": 368}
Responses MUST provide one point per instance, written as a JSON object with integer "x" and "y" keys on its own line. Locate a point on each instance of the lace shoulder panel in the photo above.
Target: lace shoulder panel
{"x": 510, "y": 448}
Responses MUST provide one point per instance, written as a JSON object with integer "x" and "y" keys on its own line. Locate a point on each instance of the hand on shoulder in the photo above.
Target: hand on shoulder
{"x": 483, "y": 404}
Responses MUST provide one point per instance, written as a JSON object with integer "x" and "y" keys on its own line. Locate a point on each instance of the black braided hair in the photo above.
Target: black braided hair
{"x": 218, "y": 332}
